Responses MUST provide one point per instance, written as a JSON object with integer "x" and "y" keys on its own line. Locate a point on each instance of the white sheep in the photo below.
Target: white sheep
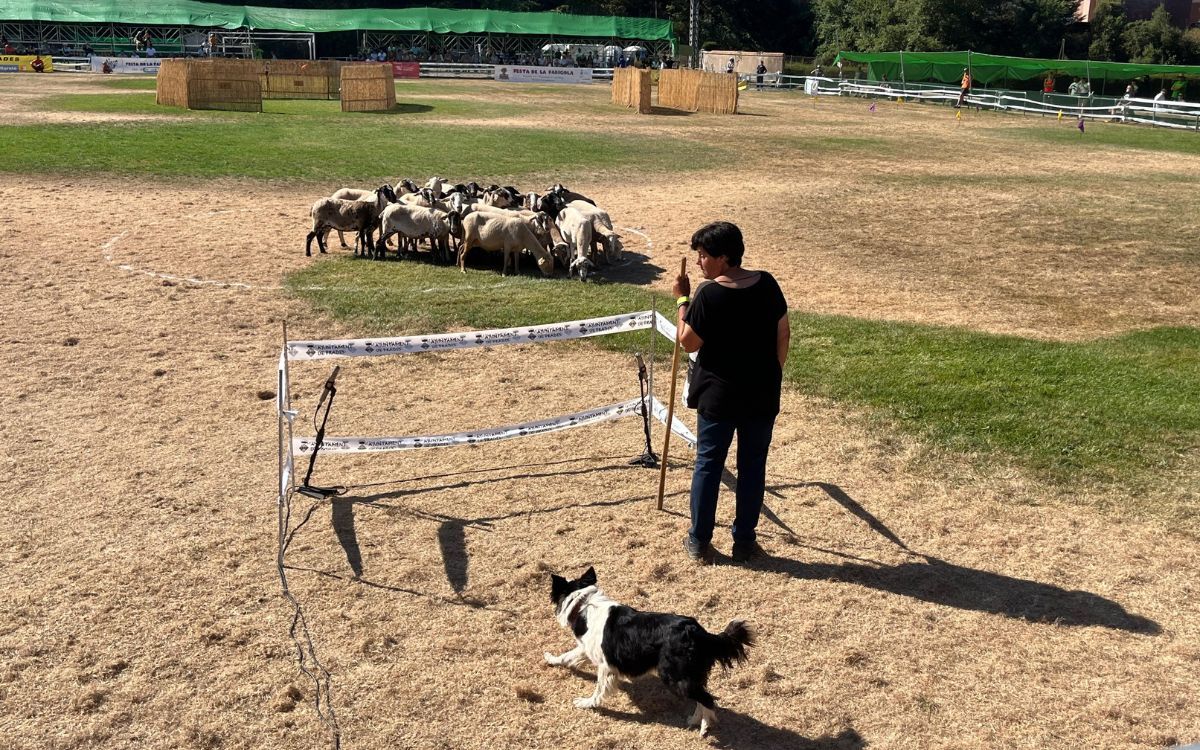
{"x": 576, "y": 228}
{"x": 413, "y": 223}
{"x": 602, "y": 229}
{"x": 506, "y": 234}
{"x": 435, "y": 184}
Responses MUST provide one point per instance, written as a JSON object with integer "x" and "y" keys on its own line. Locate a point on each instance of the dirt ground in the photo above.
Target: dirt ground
{"x": 912, "y": 599}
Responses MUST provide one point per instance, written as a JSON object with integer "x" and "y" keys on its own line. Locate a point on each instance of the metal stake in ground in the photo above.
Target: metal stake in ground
{"x": 662, "y": 474}
{"x": 647, "y": 459}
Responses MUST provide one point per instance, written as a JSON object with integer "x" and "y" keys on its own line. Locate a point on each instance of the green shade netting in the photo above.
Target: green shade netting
{"x": 437, "y": 20}
{"x": 947, "y": 67}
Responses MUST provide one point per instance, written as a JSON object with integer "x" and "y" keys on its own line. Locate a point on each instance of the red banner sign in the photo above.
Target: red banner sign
{"x": 406, "y": 70}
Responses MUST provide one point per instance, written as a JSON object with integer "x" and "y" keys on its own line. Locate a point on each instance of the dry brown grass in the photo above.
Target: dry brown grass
{"x": 141, "y": 605}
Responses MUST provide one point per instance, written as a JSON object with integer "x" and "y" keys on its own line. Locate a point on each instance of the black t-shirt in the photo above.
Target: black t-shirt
{"x": 737, "y": 372}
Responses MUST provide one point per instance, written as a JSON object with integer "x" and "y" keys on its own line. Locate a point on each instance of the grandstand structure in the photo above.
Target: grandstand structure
{"x": 186, "y": 28}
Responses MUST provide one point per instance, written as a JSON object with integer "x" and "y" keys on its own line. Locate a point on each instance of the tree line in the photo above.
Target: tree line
{"x": 1023, "y": 28}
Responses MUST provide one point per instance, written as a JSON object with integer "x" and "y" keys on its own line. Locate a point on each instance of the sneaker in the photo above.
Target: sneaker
{"x": 745, "y": 551}
{"x": 695, "y": 550}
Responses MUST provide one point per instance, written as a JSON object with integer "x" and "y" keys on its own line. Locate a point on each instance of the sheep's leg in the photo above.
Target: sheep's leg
{"x": 342, "y": 239}
{"x": 381, "y": 246}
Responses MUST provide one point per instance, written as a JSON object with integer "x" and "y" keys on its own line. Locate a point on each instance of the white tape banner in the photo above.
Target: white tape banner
{"x": 573, "y": 329}
{"x": 679, "y": 428}
{"x": 304, "y": 445}
{"x": 665, "y": 327}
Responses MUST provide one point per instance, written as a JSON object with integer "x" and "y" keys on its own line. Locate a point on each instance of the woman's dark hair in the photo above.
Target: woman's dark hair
{"x": 720, "y": 239}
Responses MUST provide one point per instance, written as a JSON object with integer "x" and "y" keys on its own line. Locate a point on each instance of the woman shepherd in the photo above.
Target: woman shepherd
{"x": 738, "y": 326}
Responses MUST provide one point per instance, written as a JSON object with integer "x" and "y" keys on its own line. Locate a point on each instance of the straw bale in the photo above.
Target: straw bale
{"x": 631, "y": 88}
{"x": 300, "y": 79}
{"x": 171, "y": 84}
{"x": 698, "y": 91}
{"x": 367, "y": 87}
{"x": 210, "y": 84}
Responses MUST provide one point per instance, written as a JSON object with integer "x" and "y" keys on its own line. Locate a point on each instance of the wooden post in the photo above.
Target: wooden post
{"x": 662, "y": 474}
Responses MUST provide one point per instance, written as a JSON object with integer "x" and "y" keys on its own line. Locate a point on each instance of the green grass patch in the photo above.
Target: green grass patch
{"x": 1111, "y": 410}
{"x": 414, "y": 297}
{"x": 1115, "y": 410}
{"x": 306, "y": 139}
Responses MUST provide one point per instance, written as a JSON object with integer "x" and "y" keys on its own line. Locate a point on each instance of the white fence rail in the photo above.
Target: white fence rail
{"x": 1165, "y": 113}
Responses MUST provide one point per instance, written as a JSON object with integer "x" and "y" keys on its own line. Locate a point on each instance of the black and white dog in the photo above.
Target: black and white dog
{"x": 623, "y": 642}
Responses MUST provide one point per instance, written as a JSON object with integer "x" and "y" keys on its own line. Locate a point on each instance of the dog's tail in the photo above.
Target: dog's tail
{"x": 729, "y": 646}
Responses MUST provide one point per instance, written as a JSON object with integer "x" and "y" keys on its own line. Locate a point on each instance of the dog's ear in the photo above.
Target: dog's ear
{"x": 558, "y": 587}
{"x": 588, "y": 578}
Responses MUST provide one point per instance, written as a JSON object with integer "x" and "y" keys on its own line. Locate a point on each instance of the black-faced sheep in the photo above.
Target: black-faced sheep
{"x": 356, "y": 194}
{"x": 347, "y": 216}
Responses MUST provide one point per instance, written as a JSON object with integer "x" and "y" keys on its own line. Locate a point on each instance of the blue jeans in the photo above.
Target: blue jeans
{"x": 712, "y": 446}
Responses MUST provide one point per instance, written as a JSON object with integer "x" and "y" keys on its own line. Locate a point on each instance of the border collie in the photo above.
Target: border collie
{"x": 623, "y": 642}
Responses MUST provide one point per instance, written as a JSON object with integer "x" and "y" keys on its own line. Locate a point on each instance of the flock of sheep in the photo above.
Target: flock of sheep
{"x": 561, "y": 226}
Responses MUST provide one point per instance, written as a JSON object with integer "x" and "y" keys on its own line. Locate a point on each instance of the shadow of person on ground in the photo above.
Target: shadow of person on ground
{"x": 939, "y": 582}
{"x": 834, "y": 492}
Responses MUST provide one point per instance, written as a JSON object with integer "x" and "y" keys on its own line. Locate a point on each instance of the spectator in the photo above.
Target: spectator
{"x": 738, "y": 326}
{"x": 1178, "y": 88}
{"x": 1048, "y": 84}
{"x": 964, "y": 88}
{"x": 1073, "y": 89}
{"x": 811, "y": 84}
{"x": 150, "y": 51}
{"x": 8, "y": 48}
{"x": 731, "y": 65}
{"x": 1085, "y": 88}
{"x": 759, "y": 72}
{"x": 37, "y": 64}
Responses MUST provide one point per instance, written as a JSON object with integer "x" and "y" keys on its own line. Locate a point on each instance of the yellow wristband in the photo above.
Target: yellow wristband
{"x": 682, "y": 301}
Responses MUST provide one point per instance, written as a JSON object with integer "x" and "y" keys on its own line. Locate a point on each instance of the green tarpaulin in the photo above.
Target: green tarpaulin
{"x": 437, "y": 20}
{"x": 947, "y": 67}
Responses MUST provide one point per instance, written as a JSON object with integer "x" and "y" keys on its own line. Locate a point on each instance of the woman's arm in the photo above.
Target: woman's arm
{"x": 783, "y": 337}
{"x": 688, "y": 338}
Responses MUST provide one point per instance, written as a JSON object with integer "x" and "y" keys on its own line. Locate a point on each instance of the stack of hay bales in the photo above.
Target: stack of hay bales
{"x": 698, "y": 91}
{"x": 210, "y": 84}
{"x": 299, "y": 79}
{"x": 368, "y": 87}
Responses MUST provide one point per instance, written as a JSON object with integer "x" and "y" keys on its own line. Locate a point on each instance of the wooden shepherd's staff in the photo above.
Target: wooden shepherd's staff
{"x": 662, "y": 474}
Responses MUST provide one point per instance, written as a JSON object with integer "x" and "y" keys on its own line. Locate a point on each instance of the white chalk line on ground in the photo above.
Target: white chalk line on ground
{"x": 106, "y": 249}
